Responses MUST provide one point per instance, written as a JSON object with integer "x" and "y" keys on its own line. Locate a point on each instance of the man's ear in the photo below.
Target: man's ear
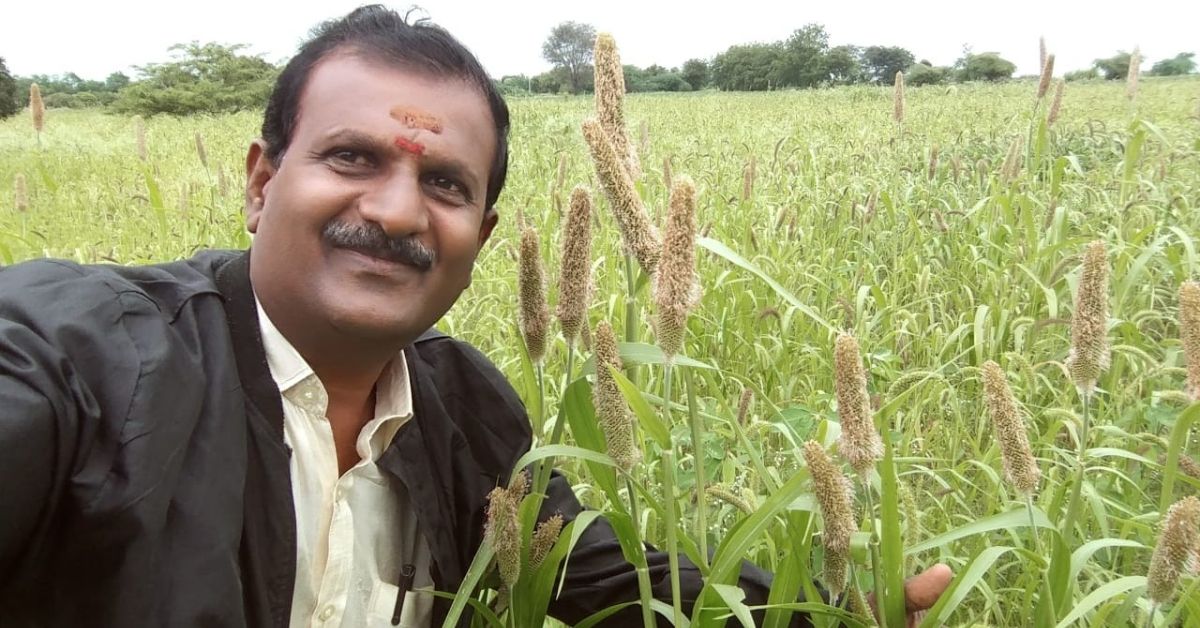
{"x": 490, "y": 219}
{"x": 259, "y": 171}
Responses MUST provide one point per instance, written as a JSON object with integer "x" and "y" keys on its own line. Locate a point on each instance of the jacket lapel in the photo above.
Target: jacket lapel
{"x": 268, "y": 552}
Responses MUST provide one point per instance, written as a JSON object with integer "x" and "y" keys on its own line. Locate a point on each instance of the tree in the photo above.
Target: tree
{"x": 569, "y": 48}
{"x": 696, "y": 73}
{"x": 746, "y": 67}
{"x": 802, "y": 59}
{"x": 1114, "y": 67}
{"x": 115, "y": 82}
{"x": 1178, "y": 66}
{"x": 985, "y": 66}
{"x": 925, "y": 74}
{"x": 9, "y": 103}
{"x": 843, "y": 65}
{"x": 883, "y": 62}
{"x": 208, "y": 78}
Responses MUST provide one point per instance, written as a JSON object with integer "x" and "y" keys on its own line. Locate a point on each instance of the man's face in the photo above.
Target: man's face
{"x": 372, "y": 221}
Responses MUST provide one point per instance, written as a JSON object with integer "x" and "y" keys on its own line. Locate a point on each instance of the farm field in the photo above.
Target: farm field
{"x": 943, "y": 243}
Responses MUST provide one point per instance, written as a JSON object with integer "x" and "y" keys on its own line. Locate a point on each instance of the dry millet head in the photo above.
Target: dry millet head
{"x": 639, "y": 235}
{"x": 575, "y": 278}
{"x": 674, "y": 284}
{"x": 543, "y": 539}
{"x": 503, "y": 528}
{"x": 611, "y": 410}
{"x": 832, "y": 491}
{"x": 609, "y": 82}
{"x": 1047, "y": 74}
{"x": 1020, "y": 467}
{"x": 1174, "y": 550}
{"x": 859, "y": 443}
{"x": 1089, "y": 323}
{"x": 20, "y": 193}
{"x": 531, "y": 294}
{"x": 1056, "y": 103}
{"x": 744, "y": 406}
{"x": 898, "y": 100}
{"x": 1189, "y": 334}
{"x": 37, "y": 107}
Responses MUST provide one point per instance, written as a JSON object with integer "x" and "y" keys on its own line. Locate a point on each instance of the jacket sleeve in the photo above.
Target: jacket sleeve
{"x": 598, "y": 576}
{"x": 52, "y": 320}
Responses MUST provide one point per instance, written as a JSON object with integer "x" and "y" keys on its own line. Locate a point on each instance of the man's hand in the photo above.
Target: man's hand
{"x": 922, "y": 591}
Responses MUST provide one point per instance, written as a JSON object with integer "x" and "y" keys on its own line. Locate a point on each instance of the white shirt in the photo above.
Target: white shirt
{"x": 354, "y": 532}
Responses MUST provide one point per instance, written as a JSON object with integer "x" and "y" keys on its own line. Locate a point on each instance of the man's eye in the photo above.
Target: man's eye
{"x": 447, "y": 184}
{"x": 351, "y": 158}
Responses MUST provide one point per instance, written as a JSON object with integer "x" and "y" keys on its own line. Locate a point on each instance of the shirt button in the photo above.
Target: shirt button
{"x": 326, "y": 613}
{"x": 341, "y": 493}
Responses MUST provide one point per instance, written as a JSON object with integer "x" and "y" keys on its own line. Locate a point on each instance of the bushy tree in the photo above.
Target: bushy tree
{"x": 843, "y": 65}
{"x": 883, "y": 62}
{"x": 985, "y": 66}
{"x": 654, "y": 78}
{"x": 9, "y": 103}
{"x": 746, "y": 67}
{"x": 208, "y": 78}
{"x": 1178, "y": 65}
{"x": 696, "y": 72}
{"x": 569, "y": 48}
{"x": 802, "y": 62}
{"x": 1114, "y": 67}
{"x": 515, "y": 85}
{"x": 925, "y": 74}
{"x": 1082, "y": 75}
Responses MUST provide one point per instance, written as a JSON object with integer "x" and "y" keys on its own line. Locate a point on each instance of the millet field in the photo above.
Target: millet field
{"x": 844, "y": 334}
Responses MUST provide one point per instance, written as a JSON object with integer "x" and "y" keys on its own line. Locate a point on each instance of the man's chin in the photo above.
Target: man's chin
{"x": 378, "y": 324}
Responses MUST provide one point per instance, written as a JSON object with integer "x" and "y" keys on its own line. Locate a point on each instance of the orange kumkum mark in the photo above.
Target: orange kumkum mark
{"x": 416, "y": 119}
{"x": 406, "y": 144}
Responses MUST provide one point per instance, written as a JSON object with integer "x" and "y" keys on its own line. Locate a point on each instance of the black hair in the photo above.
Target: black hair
{"x": 380, "y": 34}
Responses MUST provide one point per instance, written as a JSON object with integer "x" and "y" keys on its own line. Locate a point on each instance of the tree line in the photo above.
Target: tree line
{"x": 216, "y": 78}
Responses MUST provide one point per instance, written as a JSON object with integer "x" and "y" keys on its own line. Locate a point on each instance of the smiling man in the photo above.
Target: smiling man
{"x": 278, "y": 437}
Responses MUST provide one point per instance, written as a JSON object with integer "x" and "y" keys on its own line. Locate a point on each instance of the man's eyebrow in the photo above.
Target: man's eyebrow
{"x": 358, "y": 139}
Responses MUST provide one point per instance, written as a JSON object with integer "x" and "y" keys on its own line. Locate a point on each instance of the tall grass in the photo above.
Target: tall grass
{"x": 845, "y": 230}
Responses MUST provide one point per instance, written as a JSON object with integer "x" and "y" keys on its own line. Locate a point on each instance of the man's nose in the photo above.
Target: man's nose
{"x": 397, "y": 204}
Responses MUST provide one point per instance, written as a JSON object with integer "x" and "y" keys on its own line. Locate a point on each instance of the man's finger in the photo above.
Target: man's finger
{"x": 923, "y": 590}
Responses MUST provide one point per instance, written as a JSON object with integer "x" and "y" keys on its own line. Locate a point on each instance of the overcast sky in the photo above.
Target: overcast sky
{"x": 93, "y": 38}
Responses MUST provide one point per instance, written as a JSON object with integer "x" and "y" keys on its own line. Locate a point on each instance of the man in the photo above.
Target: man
{"x": 275, "y": 437}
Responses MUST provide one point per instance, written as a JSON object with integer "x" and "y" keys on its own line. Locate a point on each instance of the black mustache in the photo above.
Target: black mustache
{"x": 370, "y": 239}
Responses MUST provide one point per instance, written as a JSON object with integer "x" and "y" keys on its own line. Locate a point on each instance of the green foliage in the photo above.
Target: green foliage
{"x": 654, "y": 79}
{"x": 985, "y": 66}
{"x": 696, "y": 72}
{"x": 569, "y": 48}
{"x": 843, "y": 232}
{"x": 923, "y": 74}
{"x": 515, "y": 85}
{"x": 748, "y": 67}
{"x": 1114, "y": 67}
{"x": 9, "y": 104}
{"x": 208, "y": 78}
{"x": 883, "y": 62}
{"x": 802, "y": 61}
{"x": 1178, "y": 65}
{"x": 71, "y": 91}
{"x": 1082, "y": 75}
{"x": 843, "y": 65}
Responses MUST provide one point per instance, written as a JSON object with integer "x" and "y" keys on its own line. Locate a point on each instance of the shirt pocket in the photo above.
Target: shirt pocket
{"x": 418, "y": 607}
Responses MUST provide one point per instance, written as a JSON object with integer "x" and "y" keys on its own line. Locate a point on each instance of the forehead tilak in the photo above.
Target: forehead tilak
{"x": 414, "y": 118}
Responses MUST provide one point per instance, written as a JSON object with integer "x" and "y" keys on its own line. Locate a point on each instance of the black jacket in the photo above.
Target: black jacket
{"x": 144, "y": 479}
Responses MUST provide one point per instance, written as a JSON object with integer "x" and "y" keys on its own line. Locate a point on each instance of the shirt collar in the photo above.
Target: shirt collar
{"x": 393, "y": 394}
